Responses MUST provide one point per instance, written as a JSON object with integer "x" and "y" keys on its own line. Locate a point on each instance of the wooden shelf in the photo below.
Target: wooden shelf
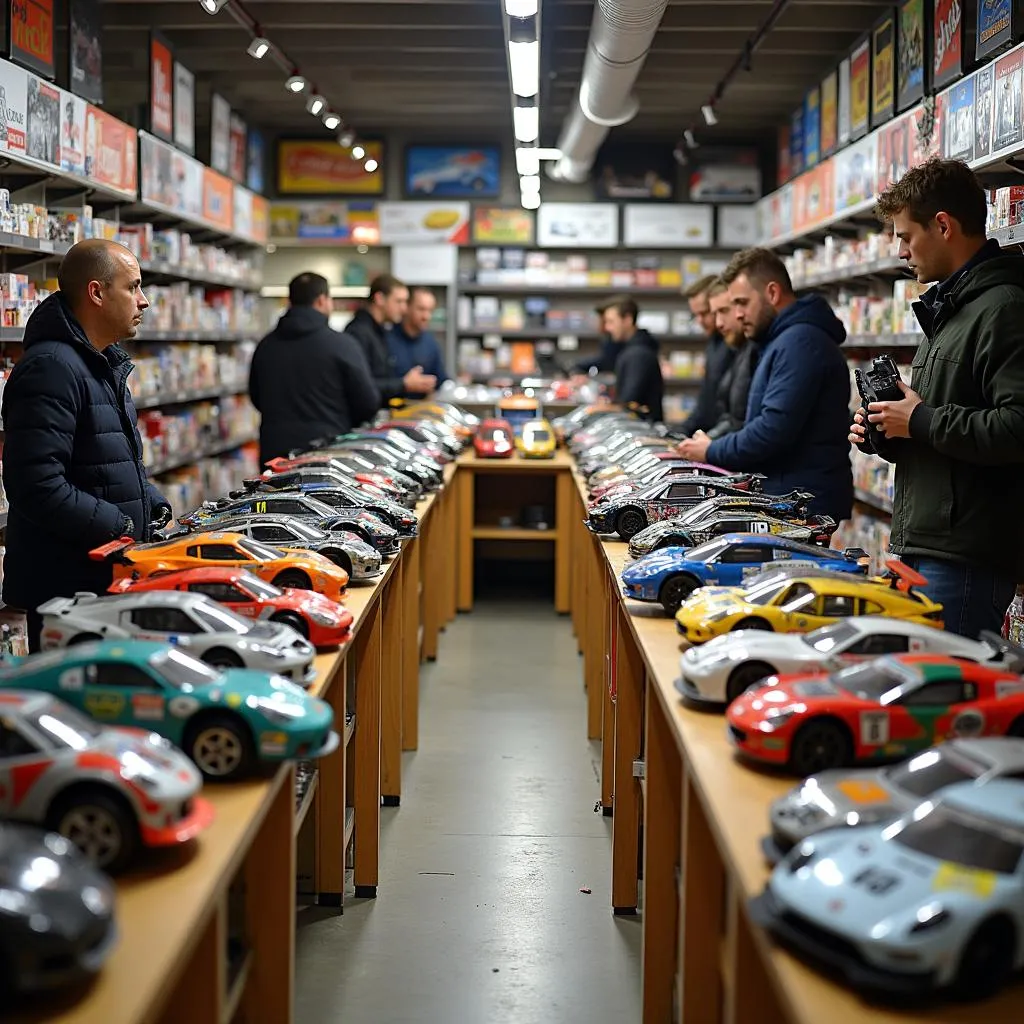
{"x": 512, "y": 533}
{"x": 177, "y": 461}
{"x": 184, "y": 397}
{"x": 548, "y": 289}
{"x": 307, "y": 802}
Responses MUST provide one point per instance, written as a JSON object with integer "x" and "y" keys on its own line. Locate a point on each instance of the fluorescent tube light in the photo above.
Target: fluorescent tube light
{"x": 524, "y": 66}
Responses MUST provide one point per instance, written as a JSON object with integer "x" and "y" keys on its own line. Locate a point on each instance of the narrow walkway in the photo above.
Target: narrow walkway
{"x": 480, "y": 918}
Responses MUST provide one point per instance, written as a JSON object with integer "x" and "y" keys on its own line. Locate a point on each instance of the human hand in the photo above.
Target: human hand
{"x": 858, "y": 431}
{"x": 161, "y": 517}
{"x": 418, "y": 382}
{"x": 695, "y": 448}
{"x": 893, "y": 418}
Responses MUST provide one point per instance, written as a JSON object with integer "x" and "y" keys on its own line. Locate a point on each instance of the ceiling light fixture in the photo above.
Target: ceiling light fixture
{"x": 690, "y": 139}
{"x": 259, "y": 47}
{"x": 346, "y": 138}
{"x": 370, "y": 166}
{"x": 527, "y": 123}
{"x": 331, "y": 121}
{"x": 212, "y": 6}
{"x": 710, "y": 118}
{"x": 358, "y": 152}
{"x": 521, "y": 8}
{"x": 524, "y": 66}
{"x": 296, "y": 83}
{"x": 549, "y": 153}
{"x": 527, "y": 161}
{"x": 530, "y": 200}
{"x": 316, "y": 104}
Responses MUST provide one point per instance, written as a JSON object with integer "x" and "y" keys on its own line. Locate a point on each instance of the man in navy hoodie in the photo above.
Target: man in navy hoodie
{"x": 798, "y": 412}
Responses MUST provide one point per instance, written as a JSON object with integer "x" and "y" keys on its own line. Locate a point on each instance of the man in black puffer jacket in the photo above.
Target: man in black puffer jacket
{"x": 639, "y": 383}
{"x": 72, "y": 461}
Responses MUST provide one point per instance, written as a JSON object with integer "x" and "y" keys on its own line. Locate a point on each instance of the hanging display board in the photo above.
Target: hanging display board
{"x": 829, "y": 113}
{"x": 812, "y": 128}
{"x": 860, "y": 88}
{"x": 883, "y": 70}
{"x": 844, "y": 101}
{"x": 796, "y": 141}
{"x": 30, "y": 35}
{"x": 947, "y": 42}
{"x": 911, "y": 53}
{"x": 161, "y": 87}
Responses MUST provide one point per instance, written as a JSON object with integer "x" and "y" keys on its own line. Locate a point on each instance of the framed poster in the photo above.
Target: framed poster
{"x": 237, "y": 139}
{"x": 575, "y": 225}
{"x": 111, "y": 150}
{"x": 322, "y": 167}
{"x": 30, "y": 35}
{"x": 829, "y": 114}
{"x": 417, "y": 223}
{"x": 894, "y": 152}
{"x": 85, "y": 52}
{"x": 161, "y": 87}
{"x": 636, "y": 171}
{"x": 812, "y": 128}
{"x": 494, "y": 225}
{"x": 14, "y": 109}
{"x": 910, "y": 53}
{"x": 254, "y": 163}
{"x": 947, "y": 42}
{"x": 958, "y": 141}
{"x": 43, "y": 130}
{"x": 983, "y": 100}
{"x": 785, "y": 165}
{"x": 796, "y": 142}
{"x": 737, "y": 226}
{"x": 184, "y": 108}
{"x": 453, "y": 171}
{"x": 687, "y": 225}
{"x": 997, "y": 26}
{"x": 860, "y": 88}
{"x": 883, "y": 70}
{"x": 220, "y": 133}
{"x": 843, "y": 114}
{"x": 72, "y": 133}
{"x": 1006, "y": 124}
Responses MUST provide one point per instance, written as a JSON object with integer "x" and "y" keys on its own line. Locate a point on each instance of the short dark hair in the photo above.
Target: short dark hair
{"x": 88, "y": 260}
{"x": 420, "y": 289}
{"x": 761, "y": 267}
{"x": 384, "y": 284}
{"x": 622, "y": 304}
{"x": 305, "y": 289}
{"x": 937, "y": 186}
{"x": 699, "y": 287}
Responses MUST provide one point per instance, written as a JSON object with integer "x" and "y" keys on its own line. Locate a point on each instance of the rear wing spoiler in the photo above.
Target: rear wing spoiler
{"x": 1006, "y": 652}
{"x": 903, "y": 577}
{"x": 56, "y": 605}
{"x": 858, "y": 555}
{"x": 115, "y": 551}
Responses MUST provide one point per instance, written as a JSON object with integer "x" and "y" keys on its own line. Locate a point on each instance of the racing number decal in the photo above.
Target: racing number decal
{"x": 261, "y": 507}
{"x": 876, "y": 881}
{"x": 758, "y": 526}
{"x": 874, "y": 728}
{"x": 968, "y": 723}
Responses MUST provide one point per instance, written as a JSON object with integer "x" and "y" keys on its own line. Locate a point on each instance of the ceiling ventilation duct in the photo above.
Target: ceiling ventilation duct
{"x": 620, "y": 37}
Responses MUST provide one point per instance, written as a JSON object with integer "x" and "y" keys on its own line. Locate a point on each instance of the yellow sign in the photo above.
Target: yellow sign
{"x": 322, "y": 167}
{"x": 493, "y": 225}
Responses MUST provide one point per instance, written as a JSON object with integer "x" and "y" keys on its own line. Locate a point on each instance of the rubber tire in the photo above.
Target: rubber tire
{"x": 339, "y": 556}
{"x": 293, "y": 579}
{"x": 744, "y": 676}
{"x": 113, "y": 805}
{"x": 84, "y": 638}
{"x": 220, "y": 658}
{"x": 626, "y": 519}
{"x": 228, "y": 722}
{"x": 297, "y": 622}
{"x": 822, "y": 732}
{"x": 675, "y": 590}
{"x": 752, "y": 622}
{"x": 1016, "y": 727}
{"x": 986, "y": 961}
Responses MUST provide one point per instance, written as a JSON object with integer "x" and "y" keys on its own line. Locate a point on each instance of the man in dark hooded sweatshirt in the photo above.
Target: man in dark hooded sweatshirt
{"x": 798, "y": 411}
{"x": 73, "y": 467}
{"x": 639, "y": 383}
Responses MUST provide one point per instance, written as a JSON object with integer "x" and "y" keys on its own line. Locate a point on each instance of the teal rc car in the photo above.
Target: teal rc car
{"x": 224, "y": 720}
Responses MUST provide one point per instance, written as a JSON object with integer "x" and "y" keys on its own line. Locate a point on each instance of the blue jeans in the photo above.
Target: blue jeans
{"x": 973, "y": 598}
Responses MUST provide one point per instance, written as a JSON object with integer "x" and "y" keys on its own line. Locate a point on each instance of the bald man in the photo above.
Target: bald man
{"x": 72, "y": 458}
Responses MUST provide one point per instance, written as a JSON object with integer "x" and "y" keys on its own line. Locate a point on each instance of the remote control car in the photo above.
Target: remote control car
{"x": 378, "y": 451}
{"x": 797, "y": 604}
{"x": 429, "y": 437}
{"x": 882, "y": 709}
{"x": 294, "y": 479}
{"x": 224, "y": 720}
{"x": 408, "y": 488}
{"x": 494, "y": 439}
{"x": 536, "y": 440}
{"x": 109, "y": 791}
{"x": 212, "y": 633}
{"x": 304, "y": 570}
{"x": 719, "y": 671}
{"x": 629, "y": 514}
{"x": 628, "y": 483}
{"x": 324, "y": 623}
{"x": 748, "y": 482}
{"x": 778, "y": 515}
{"x": 932, "y": 901}
{"x": 344, "y": 549}
{"x": 846, "y": 798}
{"x": 76, "y": 894}
{"x": 462, "y": 423}
{"x": 672, "y": 574}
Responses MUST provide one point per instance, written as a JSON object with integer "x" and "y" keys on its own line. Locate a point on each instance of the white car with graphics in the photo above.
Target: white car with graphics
{"x": 196, "y": 623}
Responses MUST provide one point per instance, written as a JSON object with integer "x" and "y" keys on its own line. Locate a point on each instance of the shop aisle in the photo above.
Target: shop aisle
{"x": 480, "y": 919}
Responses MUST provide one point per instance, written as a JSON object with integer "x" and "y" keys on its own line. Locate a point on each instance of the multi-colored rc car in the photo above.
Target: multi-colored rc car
{"x": 845, "y": 798}
{"x": 323, "y": 622}
{"x": 930, "y": 902}
{"x": 672, "y": 574}
{"x": 717, "y": 672}
{"x": 882, "y": 709}
{"x": 109, "y": 791}
{"x": 304, "y": 570}
{"x": 212, "y": 633}
{"x": 400, "y": 486}
{"x": 665, "y": 468}
{"x": 788, "y": 603}
{"x": 536, "y": 440}
{"x": 224, "y": 721}
{"x": 495, "y": 439}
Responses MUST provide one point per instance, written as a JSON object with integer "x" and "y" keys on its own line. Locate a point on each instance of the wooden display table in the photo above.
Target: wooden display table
{"x": 703, "y": 815}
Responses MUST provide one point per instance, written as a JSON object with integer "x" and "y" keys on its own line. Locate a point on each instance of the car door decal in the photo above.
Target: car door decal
{"x": 874, "y": 728}
{"x": 104, "y": 703}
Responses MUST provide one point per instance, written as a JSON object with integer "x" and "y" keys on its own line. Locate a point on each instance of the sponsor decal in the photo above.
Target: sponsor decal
{"x": 874, "y": 728}
{"x": 956, "y": 878}
{"x": 148, "y": 707}
{"x": 182, "y": 707}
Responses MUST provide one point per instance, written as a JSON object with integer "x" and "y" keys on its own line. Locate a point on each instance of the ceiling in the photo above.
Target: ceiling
{"x": 437, "y": 67}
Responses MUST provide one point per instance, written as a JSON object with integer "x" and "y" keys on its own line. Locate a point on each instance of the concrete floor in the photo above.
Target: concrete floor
{"x": 479, "y": 918}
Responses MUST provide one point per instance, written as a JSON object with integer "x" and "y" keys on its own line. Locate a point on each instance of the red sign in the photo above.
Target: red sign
{"x": 111, "y": 151}
{"x": 161, "y": 88}
{"x": 947, "y": 51}
{"x": 31, "y": 34}
{"x": 218, "y": 199}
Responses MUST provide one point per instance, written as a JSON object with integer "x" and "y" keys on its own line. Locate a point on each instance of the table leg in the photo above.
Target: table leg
{"x": 391, "y": 687}
{"x": 366, "y": 762}
{"x": 329, "y": 801}
{"x": 563, "y": 539}
{"x": 411, "y": 645}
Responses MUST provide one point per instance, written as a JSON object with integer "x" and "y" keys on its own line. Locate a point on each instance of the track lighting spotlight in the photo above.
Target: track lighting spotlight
{"x": 690, "y": 139}
{"x": 259, "y": 47}
{"x": 370, "y": 166}
{"x": 346, "y": 138}
{"x": 331, "y": 121}
{"x": 358, "y": 152}
{"x": 212, "y": 6}
{"x": 710, "y": 119}
{"x": 296, "y": 83}
{"x": 316, "y": 104}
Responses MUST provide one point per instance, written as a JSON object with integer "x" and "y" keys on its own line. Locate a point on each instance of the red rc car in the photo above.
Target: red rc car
{"x": 323, "y": 622}
{"x": 494, "y": 439}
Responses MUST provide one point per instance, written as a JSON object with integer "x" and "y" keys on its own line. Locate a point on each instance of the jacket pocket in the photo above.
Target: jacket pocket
{"x": 928, "y": 495}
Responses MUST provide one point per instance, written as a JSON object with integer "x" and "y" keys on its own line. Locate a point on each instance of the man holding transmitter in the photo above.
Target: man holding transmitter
{"x": 957, "y": 435}
{"x": 73, "y": 467}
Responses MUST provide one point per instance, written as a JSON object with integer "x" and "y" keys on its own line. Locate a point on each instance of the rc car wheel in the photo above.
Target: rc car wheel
{"x": 986, "y": 962}
{"x": 675, "y": 590}
{"x": 220, "y": 745}
{"x": 297, "y": 622}
{"x": 819, "y": 746}
{"x": 221, "y": 658}
{"x": 84, "y": 638}
{"x": 100, "y": 823}
{"x": 744, "y": 676}
{"x": 1016, "y": 727}
{"x": 339, "y": 557}
{"x": 754, "y": 623}
{"x": 629, "y": 522}
{"x": 293, "y": 578}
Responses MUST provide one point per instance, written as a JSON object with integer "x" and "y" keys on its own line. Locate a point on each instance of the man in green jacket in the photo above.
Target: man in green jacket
{"x": 957, "y": 435}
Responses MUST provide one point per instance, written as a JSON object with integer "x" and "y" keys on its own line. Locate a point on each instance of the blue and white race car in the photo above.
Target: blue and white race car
{"x": 670, "y": 575}
{"x": 932, "y": 901}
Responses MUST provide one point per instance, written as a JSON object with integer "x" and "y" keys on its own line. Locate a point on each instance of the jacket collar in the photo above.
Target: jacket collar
{"x": 939, "y": 303}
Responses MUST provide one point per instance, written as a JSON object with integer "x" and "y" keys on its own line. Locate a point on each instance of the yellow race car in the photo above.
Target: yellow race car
{"x": 797, "y": 600}
{"x": 536, "y": 440}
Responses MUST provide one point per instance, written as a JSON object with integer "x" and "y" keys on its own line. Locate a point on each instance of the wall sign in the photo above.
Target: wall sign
{"x": 958, "y": 143}
{"x": 796, "y": 142}
{"x": 30, "y": 34}
{"x": 911, "y": 54}
{"x": 220, "y": 133}
{"x": 1006, "y": 124}
{"x": 675, "y": 226}
{"x": 983, "y": 101}
{"x": 355, "y": 222}
{"x": 238, "y": 130}
{"x": 812, "y": 127}
{"x": 844, "y": 101}
{"x": 417, "y": 222}
{"x": 255, "y": 156}
{"x": 883, "y": 70}
{"x": 997, "y": 26}
{"x": 459, "y": 172}
{"x": 573, "y": 225}
{"x": 322, "y": 167}
{"x": 161, "y": 87}
{"x": 494, "y": 225}
{"x": 947, "y": 42}
{"x": 14, "y": 109}
{"x": 85, "y": 51}
{"x": 860, "y": 88}
{"x": 111, "y": 151}
{"x": 184, "y": 108}
{"x": 829, "y": 114}
{"x": 785, "y": 163}
{"x": 43, "y": 122}
{"x": 72, "y": 133}
{"x": 737, "y": 226}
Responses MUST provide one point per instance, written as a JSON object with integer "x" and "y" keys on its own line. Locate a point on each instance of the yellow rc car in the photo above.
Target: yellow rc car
{"x": 797, "y": 600}
{"x": 536, "y": 440}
